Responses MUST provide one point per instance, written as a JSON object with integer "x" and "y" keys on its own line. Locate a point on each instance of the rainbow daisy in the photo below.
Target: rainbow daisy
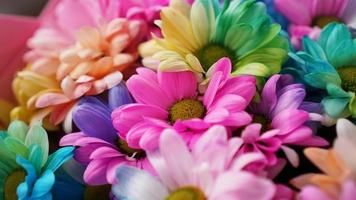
{"x": 196, "y": 36}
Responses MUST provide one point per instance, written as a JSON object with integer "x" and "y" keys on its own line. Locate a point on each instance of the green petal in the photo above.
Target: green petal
{"x": 313, "y": 49}
{"x": 38, "y": 136}
{"x": 16, "y": 146}
{"x": 243, "y": 31}
{"x": 334, "y": 107}
{"x": 255, "y": 69}
{"x": 344, "y": 54}
{"x": 352, "y": 106}
{"x": 322, "y": 79}
{"x": 336, "y": 91}
{"x": 35, "y": 158}
{"x": 18, "y": 129}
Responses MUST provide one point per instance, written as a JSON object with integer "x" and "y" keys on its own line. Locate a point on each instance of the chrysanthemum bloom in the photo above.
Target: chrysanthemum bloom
{"x": 195, "y": 37}
{"x": 280, "y": 121}
{"x": 99, "y": 146}
{"x": 308, "y": 17}
{"x": 84, "y": 56}
{"x": 27, "y": 87}
{"x": 171, "y": 99}
{"x": 329, "y": 65}
{"x": 207, "y": 172}
{"x": 26, "y": 169}
{"x": 338, "y": 164}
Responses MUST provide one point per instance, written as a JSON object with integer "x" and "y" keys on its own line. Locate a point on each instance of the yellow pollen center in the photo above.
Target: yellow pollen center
{"x": 348, "y": 78}
{"x": 97, "y": 192}
{"x": 210, "y": 54}
{"x": 132, "y": 153}
{"x": 186, "y": 109}
{"x": 322, "y": 21}
{"x": 11, "y": 184}
{"x": 187, "y": 193}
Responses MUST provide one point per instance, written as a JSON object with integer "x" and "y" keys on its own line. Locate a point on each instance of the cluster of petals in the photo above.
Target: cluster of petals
{"x": 224, "y": 99}
{"x": 208, "y": 168}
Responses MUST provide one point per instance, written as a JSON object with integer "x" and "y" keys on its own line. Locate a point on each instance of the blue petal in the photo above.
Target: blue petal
{"x": 344, "y": 54}
{"x": 58, "y": 158}
{"x": 94, "y": 119}
{"x": 135, "y": 184}
{"x": 43, "y": 185}
{"x": 25, "y": 188}
{"x": 118, "y": 96}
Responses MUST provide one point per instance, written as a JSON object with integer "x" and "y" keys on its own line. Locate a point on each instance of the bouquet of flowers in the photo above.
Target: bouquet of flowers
{"x": 179, "y": 100}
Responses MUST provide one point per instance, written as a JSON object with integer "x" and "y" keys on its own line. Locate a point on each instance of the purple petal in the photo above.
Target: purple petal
{"x": 118, "y": 96}
{"x": 94, "y": 119}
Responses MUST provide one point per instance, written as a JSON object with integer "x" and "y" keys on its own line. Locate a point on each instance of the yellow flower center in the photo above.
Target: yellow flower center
{"x": 212, "y": 53}
{"x": 97, "y": 192}
{"x": 322, "y": 21}
{"x": 348, "y": 78}
{"x": 11, "y": 184}
{"x": 186, "y": 109}
{"x": 187, "y": 193}
{"x": 132, "y": 153}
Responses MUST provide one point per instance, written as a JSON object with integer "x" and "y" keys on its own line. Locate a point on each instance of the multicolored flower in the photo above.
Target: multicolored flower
{"x": 279, "y": 120}
{"x": 82, "y": 57}
{"x": 207, "y": 172}
{"x": 308, "y": 17}
{"x": 99, "y": 147}
{"x": 26, "y": 169}
{"x": 338, "y": 166}
{"x": 195, "y": 37}
{"x": 329, "y": 64}
{"x": 171, "y": 100}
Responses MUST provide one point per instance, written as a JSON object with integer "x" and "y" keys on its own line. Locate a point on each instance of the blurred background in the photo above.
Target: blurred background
{"x": 22, "y": 7}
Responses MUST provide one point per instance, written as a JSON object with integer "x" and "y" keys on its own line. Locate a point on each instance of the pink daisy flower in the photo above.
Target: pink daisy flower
{"x": 207, "y": 172}
{"x": 280, "y": 119}
{"x": 171, "y": 100}
{"x": 308, "y": 17}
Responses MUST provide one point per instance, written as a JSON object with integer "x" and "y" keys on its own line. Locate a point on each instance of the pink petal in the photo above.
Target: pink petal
{"x": 296, "y": 118}
{"x": 50, "y": 99}
{"x": 179, "y": 85}
{"x": 251, "y": 133}
{"x": 104, "y": 152}
{"x": 147, "y": 92}
{"x": 95, "y": 173}
{"x": 297, "y": 11}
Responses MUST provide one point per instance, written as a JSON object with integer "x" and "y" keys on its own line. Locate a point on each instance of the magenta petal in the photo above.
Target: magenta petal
{"x": 295, "y": 118}
{"x": 82, "y": 154}
{"x": 104, "y": 152}
{"x": 69, "y": 140}
{"x": 148, "y": 92}
{"x": 125, "y": 117}
{"x": 178, "y": 85}
{"x": 95, "y": 173}
{"x": 244, "y": 86}
{"x": 251, "y": 133}
{"x": 312, "y": 193}
{"x": 213, "y": 88}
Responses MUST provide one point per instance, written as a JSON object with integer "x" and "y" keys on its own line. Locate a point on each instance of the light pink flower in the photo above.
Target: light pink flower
{"x": 208, "y": 171}
{"x": 348, "y": 192}
{"x": 171, "y": 100}
{"x": 307, "y": 17}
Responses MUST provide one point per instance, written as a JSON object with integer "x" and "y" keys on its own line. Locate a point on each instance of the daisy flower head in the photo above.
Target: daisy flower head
{"x": 98, "y": 47}
{"x": 329, "y": 65}
{"x": 338, "y": 168}
{"x": 99, "y": 147}
{"x": 196, "y": 36}
{"x": 26, "y": 169}
{"x": 308, "y": 17}
{"x": 209, "y": 171}
{"x": 171, "y": 100}
{"x": 280, "y": 120}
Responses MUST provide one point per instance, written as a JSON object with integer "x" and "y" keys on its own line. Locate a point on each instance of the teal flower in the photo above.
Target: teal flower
{"x": 26, "y": 169}
{"x": 329, "y": 64}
